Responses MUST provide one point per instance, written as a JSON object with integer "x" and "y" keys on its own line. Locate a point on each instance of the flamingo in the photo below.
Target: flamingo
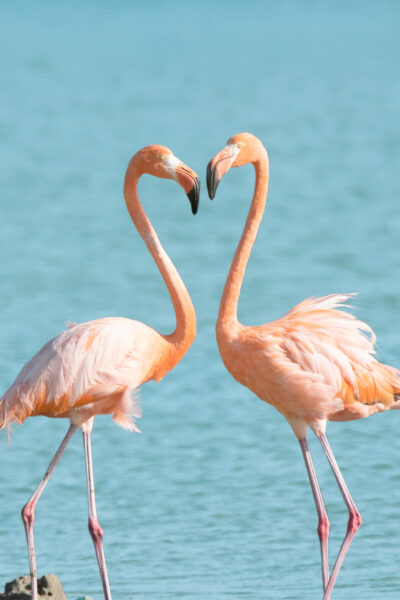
{"x": 93, "y": 368}
{"x": 315, "y": 364}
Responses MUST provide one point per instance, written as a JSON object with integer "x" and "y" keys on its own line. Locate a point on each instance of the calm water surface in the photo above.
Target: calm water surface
{"x": 212, "y": 500}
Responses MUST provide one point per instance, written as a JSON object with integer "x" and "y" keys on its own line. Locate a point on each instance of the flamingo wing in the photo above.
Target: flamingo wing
{"x": 96, "y": 362}
{"x": 319, "y": 361}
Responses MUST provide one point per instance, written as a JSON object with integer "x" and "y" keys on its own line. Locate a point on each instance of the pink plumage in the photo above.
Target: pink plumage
{"x": 317, "y": 363}
{"x": 89, "y": 369}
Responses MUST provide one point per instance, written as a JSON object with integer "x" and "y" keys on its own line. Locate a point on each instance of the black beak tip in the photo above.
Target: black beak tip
{"x": 212, "y": 181}
{"x": 194, "y": 196}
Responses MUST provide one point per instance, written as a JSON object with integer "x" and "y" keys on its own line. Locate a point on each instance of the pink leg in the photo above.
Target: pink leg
{"x": 94, "y": 527}
{"x": 355, "y": 519}
{"x": 323, "y": 521}
{"x": 28, "y": 512}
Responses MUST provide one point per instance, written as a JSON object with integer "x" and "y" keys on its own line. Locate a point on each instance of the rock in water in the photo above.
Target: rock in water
{"x": 49, "y": 588}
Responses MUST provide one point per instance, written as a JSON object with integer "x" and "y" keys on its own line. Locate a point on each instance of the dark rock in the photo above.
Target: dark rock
{"x": 49, "y": 588}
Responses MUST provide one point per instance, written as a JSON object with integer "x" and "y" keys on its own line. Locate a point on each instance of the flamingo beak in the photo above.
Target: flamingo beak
{"x": 194, "y": 195}
{"x": 186, "y": 178}
{"x": 190, "y": 182}
{"x": 218, "y": 166}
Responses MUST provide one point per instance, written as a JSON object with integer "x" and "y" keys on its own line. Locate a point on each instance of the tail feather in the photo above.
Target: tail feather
{"x": 127, "y": 409}
{"x": 6, "y": 419}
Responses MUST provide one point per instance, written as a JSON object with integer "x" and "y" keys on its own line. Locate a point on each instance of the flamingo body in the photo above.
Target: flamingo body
{"x": 313, "y": 364}
{"x": 89, "y": 369}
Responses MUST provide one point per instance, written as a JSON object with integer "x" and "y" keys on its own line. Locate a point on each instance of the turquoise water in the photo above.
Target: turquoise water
{"x": 212, "y": 500}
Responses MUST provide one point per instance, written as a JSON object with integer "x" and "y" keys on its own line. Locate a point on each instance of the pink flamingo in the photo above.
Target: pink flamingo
{"x": 314, "y": 364}
{"x": 93, "y": 368}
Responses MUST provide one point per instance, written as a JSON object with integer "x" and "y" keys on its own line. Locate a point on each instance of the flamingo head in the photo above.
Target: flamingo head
{"x": 241, "y": 149}
{"x": 161, "y": 162}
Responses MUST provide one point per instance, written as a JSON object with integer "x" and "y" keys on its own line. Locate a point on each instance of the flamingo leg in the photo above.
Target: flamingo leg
{"x": 355, "y": 519}
{"x": 323, "y": 521}
{"x": 94, "y": 527}
{"x": 28, "y": 511}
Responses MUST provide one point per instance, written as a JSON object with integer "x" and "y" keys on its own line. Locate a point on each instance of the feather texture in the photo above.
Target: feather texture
{"x": 315, "y": 363}
{"x": 93, "y": 367}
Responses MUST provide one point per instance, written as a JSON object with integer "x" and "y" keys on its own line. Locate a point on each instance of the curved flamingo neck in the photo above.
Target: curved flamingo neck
{"x": 227, "y": 316}
{"x": 185, "y": 331}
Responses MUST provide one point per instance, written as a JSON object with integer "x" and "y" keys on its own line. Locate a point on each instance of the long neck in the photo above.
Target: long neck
{"x": 227, "y": 316}
{"x": 185, "y": 331}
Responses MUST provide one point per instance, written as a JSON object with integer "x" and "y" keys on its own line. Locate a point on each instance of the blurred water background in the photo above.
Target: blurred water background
{"x": 212, "y": 500}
